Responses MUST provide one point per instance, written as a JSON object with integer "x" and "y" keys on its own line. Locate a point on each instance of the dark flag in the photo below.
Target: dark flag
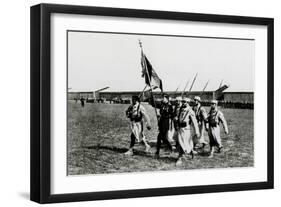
{"x": 151, "y": 77}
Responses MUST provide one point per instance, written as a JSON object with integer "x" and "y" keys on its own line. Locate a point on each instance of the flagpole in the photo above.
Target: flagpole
{"x": 141, "y": 94}
{"x": 142, "y": 55}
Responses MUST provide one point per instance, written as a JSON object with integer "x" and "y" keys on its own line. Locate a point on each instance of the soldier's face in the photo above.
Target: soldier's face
{"x": 196, "y": 102}
{"x": 134, "y": 101}
{"x": 165, "y": 100}
{"x": 213, "y": 106}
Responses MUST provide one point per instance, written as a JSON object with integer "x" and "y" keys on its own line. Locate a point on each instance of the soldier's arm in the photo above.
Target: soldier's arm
{"x": 128, "y": 110}
{"x": 204, "y": 114}
{"x": 194, "y": 122}
{"x": 146, "y": 117}
{"x": 205, "y": 118}
{"x": 223, "y": 121}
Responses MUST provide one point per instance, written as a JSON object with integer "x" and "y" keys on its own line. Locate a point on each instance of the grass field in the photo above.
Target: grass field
{"x": 99, "y": 134}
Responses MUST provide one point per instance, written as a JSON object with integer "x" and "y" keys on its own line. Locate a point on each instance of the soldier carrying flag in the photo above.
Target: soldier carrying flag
{"x": 165, "y": 119}
{"x": 165, "y": 122}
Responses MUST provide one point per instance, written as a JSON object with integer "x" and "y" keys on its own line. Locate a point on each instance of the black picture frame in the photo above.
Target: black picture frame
{"x": 41, "y": 99}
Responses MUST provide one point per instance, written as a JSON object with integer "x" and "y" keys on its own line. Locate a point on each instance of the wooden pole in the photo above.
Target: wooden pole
{"x": 141, "y": 94}
{"x": 192, "y": 83}
{"x": 176, "y": 90}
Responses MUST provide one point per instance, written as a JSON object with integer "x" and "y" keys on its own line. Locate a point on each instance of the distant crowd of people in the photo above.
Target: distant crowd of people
{"x": 82, "y": 100}
{"x": 231, "y": 104}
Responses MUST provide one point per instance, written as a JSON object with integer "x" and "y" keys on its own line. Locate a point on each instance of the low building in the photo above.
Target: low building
{"x": 79, "y": 94}
{"x": 244, "y": 97}
{"x": 125, "y": 96}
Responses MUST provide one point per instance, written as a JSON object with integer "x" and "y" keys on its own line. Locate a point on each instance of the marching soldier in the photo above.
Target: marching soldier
{"x": 137, "y": 115}
{"x": 202, "y": 118}
{"x": 164, "y": 123}
{"x": 177, "y": 107}
{"x": 186, "y": 120}
{"x": 215, "y": 117}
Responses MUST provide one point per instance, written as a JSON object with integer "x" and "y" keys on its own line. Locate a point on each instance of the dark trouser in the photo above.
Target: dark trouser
{"x": 162, "y": 136}
{"x": 179, "y": 148}
{"x": 133, "y": 140}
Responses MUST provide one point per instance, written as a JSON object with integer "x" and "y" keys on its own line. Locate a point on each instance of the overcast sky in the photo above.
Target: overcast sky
{"x": 97, "y": 60}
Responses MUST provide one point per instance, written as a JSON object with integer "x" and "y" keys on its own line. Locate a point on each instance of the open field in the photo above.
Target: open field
{"x": 99, "y": 134}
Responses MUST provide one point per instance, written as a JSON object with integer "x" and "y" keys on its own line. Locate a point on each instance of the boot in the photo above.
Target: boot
{"x": 129, "y": 152}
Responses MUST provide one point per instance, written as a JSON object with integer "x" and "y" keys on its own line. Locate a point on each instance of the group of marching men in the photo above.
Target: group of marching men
{"x": 179, "y": 122}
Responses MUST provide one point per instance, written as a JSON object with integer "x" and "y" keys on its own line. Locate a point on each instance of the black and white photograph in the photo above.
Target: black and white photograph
{"x": 150, "y": 102}
{"x": 131, "y": 103}
{"x": 140, "y": 103}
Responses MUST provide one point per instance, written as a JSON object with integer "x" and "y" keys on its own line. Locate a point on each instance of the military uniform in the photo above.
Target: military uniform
{"x": 186, "y": 120}
{"x": 215, "y": 117}
{"x": 165, "y": 124}
{"x": 176, "y": 111}
{"x": 201, "y": 117}
{"x": 137, "y": 115}
{"x": 176, "y": 114}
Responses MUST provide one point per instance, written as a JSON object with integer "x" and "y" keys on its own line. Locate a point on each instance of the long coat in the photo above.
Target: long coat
{"x": 215, "y": 117}
{"x": 185, "y": 140}
{"x": 202, "y": 118}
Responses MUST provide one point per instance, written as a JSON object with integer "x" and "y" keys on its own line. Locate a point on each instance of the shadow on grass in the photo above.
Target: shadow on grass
{"x": 203, "y": 153}
{"x": 111, "y": 148}
{"x": 122, "y": 150}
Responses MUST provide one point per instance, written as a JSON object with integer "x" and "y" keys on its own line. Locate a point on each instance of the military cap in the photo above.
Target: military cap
{"x": 165, "y": 96}
{"x": 185, "y": 99}
{"x": 179, "y": 98}
{"x": 214, "y": 102}
{"x": 197, "y": 98}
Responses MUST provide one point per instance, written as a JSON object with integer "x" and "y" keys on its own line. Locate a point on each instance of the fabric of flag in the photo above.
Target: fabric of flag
{"x": 151, "y": 77}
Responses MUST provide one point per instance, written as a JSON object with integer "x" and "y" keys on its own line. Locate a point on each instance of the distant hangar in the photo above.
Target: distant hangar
{"x": 120, "y": 96}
